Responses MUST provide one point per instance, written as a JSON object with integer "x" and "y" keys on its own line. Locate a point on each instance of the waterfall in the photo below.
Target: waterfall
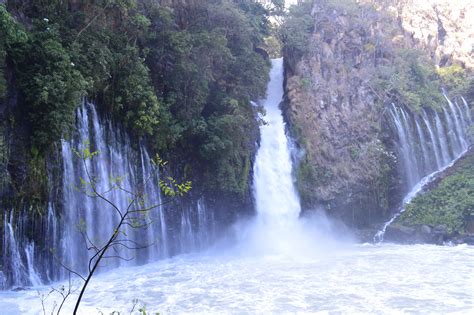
{"x": 459, "y": 123}
{"x": 277, "y": 202}
{"x": 406, "y": 149}
{"x": 30, "y": 259}
{"x": 445, "y": 153}
{"x": 166, "y": 233}
{"x": 52, "y": 237}
{"x": 275, "y": 194}
{"x": 74, "y": 217}
{"x": 467, "y": 111}
{"x": 186, "y": 235}
{"x": 93, "y": 219}
{"x": 448, "y": 142}
{"x": 205, "y": 224}
{"x": 20, "y": 266}
{"x": 197, "y": 227}
{"x": 11, "y": 250}
{"x": 462, "y": 118}
{"x": 158, "y": 230}
{"x": 435, "y": 147}
{"x": 424, "y": 149}
{"x": 414, "y": 175}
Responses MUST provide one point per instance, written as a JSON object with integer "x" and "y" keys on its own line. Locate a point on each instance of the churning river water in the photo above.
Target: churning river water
{"x": 351, "y": 279}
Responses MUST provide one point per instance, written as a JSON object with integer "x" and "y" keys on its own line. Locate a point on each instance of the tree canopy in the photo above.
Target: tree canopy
{"x": 181, "y": 76}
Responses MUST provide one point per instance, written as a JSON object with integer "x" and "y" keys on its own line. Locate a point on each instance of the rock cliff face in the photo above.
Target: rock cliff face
{"x": 332, "y": 112}
{"x": 336, "y": 111}
{"x": 444, "y": 28}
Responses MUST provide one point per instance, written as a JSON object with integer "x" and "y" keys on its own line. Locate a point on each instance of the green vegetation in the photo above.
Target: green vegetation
{"x": 450, "y": 202}
{"x": 51, "y": 86}
{"x": 455, "y": 78}
{"x": 410, "y": 79}
{"x": 297, "y": 29}
{"x": 182, "y": 76}
{"x": 11, "y": 34}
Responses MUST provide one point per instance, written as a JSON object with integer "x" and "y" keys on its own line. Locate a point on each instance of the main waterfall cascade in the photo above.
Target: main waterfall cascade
{"x": 278, "y": 229}
{"x": 277, "y": 202}
{"x": 428, "y": 143}
{"x": 170, "y": 231}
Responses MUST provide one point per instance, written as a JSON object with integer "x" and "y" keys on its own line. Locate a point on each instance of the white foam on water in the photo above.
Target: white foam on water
{"x": 360, "y": 279}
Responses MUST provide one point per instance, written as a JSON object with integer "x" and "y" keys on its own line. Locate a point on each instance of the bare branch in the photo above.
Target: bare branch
{"x": 119, "y": 257}
{"x": 126, "y": 191}
{"x": 134, "y": 247}
{"x": 137, "y": 226}
{"x": 92, "y": 21}
{"x": 87, "y": 240}
{"x": 70, "y": 270}
{"x": 98, "y": 194}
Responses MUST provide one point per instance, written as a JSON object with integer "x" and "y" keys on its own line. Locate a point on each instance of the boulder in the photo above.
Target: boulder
{"x": 400, "y": 234}
{"x": 440, "y": 229}
{"x": 469, "y": 240}
{"x": 425, "y": 229}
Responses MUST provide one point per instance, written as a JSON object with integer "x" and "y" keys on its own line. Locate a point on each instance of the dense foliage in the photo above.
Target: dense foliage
{"x": 11, "y": 34}
{"x": 457, "y": 80}
{"x": 181, "y": 76}
{"x": 410, "y": 79}
{"x": 450, "y": 202}
{"x": 296, "y": 30}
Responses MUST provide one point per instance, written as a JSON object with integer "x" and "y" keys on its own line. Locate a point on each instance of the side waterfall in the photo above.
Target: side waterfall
{"x": 115, "y": 159}
{"x": 428, "y": 143}
{"x": 173, "y": 229}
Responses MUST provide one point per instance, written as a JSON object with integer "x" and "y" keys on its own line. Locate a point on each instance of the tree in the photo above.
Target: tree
{"x": 134, "y": 215}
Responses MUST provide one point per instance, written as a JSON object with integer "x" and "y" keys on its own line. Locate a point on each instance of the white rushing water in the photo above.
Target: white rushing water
{"x": 364, "y": 279}
{"x": 277, "y": 202}
{"x": 11, "y": 249}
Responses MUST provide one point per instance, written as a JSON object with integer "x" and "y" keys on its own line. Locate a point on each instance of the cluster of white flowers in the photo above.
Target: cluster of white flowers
{"x": 380, "y": 148}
